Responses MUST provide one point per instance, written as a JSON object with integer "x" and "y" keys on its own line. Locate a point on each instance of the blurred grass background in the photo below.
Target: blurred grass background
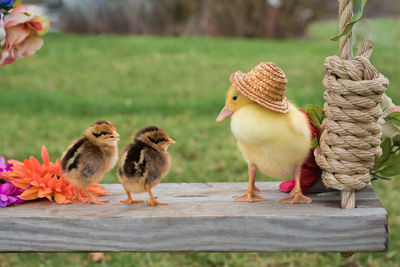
{"x": 177, "y": 83}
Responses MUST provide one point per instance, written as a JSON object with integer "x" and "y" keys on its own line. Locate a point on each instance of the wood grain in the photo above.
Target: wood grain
{"x": 200, "y": 217}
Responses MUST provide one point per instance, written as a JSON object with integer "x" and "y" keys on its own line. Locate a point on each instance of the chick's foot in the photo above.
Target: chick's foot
{"x": 296, "y": 198}
{"x": 94, "y": 200}
{"x": 155, "y": 202}
{"x": 79, "y": 198}
{"x": 249, "y": 196}
{"x": 98, "y": 202}
{"x": 131, "y": 201}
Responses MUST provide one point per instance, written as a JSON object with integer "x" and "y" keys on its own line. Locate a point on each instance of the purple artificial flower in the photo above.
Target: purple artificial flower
{"x": 7, "y": 3}
{"x": 8, "y": 192}
{"x": 4, "y": 167}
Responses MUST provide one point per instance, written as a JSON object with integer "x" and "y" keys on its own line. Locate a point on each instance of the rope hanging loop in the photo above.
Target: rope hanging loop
{"x": 351, "y": 140}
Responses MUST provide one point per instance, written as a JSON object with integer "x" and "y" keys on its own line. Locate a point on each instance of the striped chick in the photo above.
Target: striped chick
{"x": 144, "y": 162}
{"x": 90, "y": 157}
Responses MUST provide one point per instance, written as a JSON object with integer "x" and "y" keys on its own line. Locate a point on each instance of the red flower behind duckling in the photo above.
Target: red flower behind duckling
{"x": 310, "y": 171}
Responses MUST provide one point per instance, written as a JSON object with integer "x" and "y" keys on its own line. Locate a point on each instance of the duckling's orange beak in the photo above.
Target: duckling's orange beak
{"x": 224, "y": 114}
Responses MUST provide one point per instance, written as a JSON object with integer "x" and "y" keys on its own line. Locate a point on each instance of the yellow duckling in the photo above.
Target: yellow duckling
{"x": 272, "y": 134}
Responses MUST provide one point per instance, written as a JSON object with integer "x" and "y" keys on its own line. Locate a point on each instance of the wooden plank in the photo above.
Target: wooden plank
{"x": 200, "y": 217}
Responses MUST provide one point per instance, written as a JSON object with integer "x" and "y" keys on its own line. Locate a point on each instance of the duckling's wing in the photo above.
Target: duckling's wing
{"x": 298, "y": 123}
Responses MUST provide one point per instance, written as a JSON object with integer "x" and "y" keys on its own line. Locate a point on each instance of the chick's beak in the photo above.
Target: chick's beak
{"x": 170, "y": 142}
{"x": 224, "y": 114}
{"x": 115, "y": 136}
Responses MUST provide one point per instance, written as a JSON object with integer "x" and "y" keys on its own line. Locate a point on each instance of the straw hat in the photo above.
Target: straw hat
{"x": 265, "y": 85}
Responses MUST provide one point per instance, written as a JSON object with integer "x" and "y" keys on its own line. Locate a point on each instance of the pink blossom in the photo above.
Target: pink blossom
{"x": 390, "y": 129}
{"x": 287, "y": 186}
{"x": 23, "y": 26}
{"x": 2, "y": 31}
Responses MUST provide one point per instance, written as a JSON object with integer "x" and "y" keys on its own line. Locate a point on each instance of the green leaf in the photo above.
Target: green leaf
{"x": 356, "y": 17}
{"x": 316, "y": 114}
{"x": 17, "y": 3}
{"x": 393, "y": 167}
{"x": 314, "y": 143}
{"x": 386, "y": 146}
{"x": 394, "y": 117}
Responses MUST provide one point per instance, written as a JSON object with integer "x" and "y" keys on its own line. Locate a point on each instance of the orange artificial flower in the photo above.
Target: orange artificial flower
{"x": 45, "y": 181}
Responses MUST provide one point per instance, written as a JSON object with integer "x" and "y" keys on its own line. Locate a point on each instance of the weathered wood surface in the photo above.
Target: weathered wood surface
{"x": 200, "y": 217}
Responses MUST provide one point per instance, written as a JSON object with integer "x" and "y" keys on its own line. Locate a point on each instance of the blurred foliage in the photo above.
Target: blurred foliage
{"x": 191, "y": 17}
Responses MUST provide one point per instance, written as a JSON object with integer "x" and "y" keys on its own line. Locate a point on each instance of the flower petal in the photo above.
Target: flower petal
{"x": 97, "y": 189}
{"x": 287, "y": 186}
{"x": 5, "y": 188}
{"x": 3, "y": 197}
{"x": 28, "y": 197}
{"x": 2, "y": 163}
{"x": 29, "y": 192}
{"x": 59, "y": 198}
{"x": 31, "y": 44}
{"x": 45, "y": 24}
{"x": 45, "y": 156}
{"x": 16, "y": 34}
{"x": 30, "y": 9}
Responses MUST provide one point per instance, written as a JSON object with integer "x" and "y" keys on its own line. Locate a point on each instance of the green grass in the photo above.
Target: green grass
{"x": 178, "y": 84}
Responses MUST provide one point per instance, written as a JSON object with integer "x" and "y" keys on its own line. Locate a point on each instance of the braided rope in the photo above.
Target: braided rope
{"x": 351, "y": 139}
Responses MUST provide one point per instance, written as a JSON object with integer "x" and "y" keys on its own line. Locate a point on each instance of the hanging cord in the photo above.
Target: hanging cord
{"x": 351, "y": 139}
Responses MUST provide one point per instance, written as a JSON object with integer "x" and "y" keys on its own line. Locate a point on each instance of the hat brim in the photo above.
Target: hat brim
{"x": 239, "y": 82}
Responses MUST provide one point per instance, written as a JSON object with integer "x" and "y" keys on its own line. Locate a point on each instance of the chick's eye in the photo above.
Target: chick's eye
{"x": 103, "y": 133}
{"x": 234, "y": 97}
{"x": 161, "y": 140}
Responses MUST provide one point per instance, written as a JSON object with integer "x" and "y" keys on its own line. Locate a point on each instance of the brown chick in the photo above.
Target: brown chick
{"x": 144, "y": 162}
{"x": 88, "y": 158}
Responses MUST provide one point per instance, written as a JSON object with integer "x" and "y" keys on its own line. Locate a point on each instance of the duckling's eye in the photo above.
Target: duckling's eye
{"x": 234, "y": 97}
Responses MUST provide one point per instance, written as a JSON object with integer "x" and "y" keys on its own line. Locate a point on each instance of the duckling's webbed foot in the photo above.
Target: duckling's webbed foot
{"x": 296, "y": 198}
{"x": 250, "y": 197}
{"x": 131, "y": 201}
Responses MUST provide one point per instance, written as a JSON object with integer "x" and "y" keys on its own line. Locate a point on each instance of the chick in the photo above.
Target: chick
{"x": 88, "y": 158}
{"x": 144, "y": 162}
{"x": 276, "y": 143}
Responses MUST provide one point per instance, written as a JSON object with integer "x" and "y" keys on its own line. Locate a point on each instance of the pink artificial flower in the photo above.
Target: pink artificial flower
{"x": 2, "y": 31}
{"x": 9, "y": 193}
{"x": 287, "y": 186}
{"x": 389, "y": 129}
{"x": 23, "y": 26}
